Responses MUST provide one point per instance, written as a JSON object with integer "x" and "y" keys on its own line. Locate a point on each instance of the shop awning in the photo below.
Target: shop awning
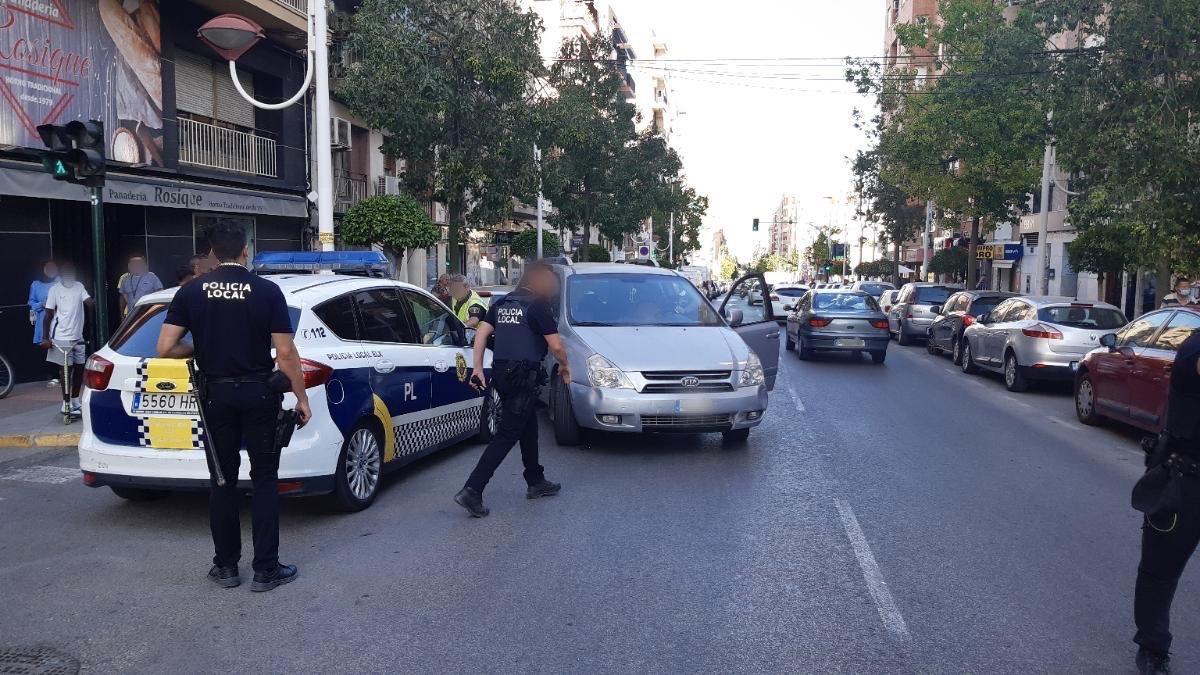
{"x": 906, "y": 270}
{"x": 27, "y": 180}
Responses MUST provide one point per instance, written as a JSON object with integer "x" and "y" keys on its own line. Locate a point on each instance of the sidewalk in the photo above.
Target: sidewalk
{"x": 30, "y": 417}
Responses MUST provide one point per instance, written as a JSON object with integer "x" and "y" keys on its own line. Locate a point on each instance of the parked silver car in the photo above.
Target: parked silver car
{"x": 650, "y": 353}
{"x": 913, "y": 312}
{"x": 1039, "y": 338}
{"x": 875, "y": 289}
{"x": 887, "y": 299}
{"x": 838, "y": 320}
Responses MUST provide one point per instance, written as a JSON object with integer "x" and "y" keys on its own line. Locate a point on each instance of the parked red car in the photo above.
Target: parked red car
{"x": 1127, "y": 379}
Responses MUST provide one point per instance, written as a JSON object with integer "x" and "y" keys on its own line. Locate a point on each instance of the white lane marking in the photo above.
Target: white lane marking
{"x": 795, "y": 397}
{"x": 876, "y": 586}
{"x": 43, "y": 474}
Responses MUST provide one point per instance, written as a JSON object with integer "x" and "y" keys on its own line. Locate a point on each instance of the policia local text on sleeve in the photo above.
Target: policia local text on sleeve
{"x": 525, "y": 329}
{"x": 235, "y": 318}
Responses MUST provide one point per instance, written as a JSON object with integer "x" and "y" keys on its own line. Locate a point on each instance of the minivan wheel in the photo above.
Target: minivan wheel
{"x": 359, "y": 469}
{"x": 931, "y": 347}
{"x": 968, "y": 362}
{"x": 789, "y": 344}
{"x": 956, "y": 351}
{"x": 566, "y": 427}
{"x": 735, "y": 436}
{"x": 902, "y": 335}
{"x": 1085, "y": 400}
{"x": 1014, "y": 377}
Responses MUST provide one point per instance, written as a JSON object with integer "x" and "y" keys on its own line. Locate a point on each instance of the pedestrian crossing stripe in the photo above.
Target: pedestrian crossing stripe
{"x": 167, "y": 432}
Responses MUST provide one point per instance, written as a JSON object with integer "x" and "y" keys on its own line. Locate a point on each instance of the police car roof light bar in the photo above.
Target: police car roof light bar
{"x": 355, "y": 263}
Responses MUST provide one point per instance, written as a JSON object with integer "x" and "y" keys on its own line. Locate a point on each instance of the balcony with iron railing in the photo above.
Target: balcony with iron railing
{"x": 216, "y": 147}
{"x": 349, "y": 188}
{"x": 298, "y": 6}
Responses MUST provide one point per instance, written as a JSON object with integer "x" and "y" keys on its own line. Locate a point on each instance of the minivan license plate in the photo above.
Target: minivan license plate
{"x": 850, "y": 342}
{"x": 149, "y": 403}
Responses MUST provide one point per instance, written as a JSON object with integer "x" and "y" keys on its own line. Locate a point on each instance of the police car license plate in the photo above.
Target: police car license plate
{"x": 850, "y": 342}
{"x": 149, "y": 403}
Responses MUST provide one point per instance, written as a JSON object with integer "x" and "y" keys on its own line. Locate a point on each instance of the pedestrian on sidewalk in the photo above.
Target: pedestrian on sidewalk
{"x": 525, "y": 330}
{"x": 38, "y": 291}
{"x": 1169, "y": 539}
{"x": 235, "y": 319}
{"x": 140, "y": 281}
{"x": 66, "y": 307}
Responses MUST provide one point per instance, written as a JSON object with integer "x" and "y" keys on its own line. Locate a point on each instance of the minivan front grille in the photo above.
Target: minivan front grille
{"x": 672, "y": 381}
{"x": 686, "y": 421}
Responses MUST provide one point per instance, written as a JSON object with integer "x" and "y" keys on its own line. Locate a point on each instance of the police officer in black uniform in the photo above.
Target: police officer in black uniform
{"x": 1169, "y": 539}
{"x": 525, "y": 328}
{"x": 235, "y": 318}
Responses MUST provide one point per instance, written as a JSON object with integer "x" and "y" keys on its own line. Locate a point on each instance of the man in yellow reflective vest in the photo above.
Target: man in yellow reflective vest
{"x": 465, "y": 302}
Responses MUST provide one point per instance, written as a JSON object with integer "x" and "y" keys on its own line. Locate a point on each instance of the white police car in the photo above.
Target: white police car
{"x": 385, "y": 363}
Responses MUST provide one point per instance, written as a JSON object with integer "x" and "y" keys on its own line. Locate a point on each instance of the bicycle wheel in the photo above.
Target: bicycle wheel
{"x": 8, "y": 377}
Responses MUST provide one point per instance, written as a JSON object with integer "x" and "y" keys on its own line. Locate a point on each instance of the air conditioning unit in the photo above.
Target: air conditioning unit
{"x": 339, "y": 133}
{"x": 388, "y": 185}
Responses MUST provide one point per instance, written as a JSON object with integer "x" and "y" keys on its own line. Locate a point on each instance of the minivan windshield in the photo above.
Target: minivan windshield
{"x": 635, "y": 299}
{"x": 1078, "y": 316}
{"x": 137, "y": 335}
{"x": 932, "y": 295}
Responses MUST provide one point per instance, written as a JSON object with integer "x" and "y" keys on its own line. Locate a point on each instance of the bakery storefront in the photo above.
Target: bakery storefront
{"x": 163, "y": 219}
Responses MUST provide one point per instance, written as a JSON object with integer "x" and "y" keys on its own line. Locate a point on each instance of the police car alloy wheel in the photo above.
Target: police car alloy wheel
{"x": 360, "y": 468}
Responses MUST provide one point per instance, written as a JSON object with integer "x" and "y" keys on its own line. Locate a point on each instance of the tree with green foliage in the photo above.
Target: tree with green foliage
{"x": 524, "y": 244}
{"x": 729, "y": 269}
{"x": 899, "y": 215}
{"x": 875, "y": 269}
{"x": 395, "y": 223}
{"x": 1126, "y": 103}
{"x": 449, "y": 84}
{"x": 970, "y": 138}
{"x": 951, "y": 262}
{"x": 689, "y": 210}
{"x": 820, "y": 252}
{"x": 595, "y": 253}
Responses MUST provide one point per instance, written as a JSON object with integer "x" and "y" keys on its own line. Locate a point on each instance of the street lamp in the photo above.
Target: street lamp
{"x": 231, "y": 36}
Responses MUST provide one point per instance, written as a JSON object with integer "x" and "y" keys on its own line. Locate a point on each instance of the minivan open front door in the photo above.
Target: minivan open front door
{"x": 751, "y": 297}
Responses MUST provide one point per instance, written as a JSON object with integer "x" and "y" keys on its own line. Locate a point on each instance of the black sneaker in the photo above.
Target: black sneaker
{"x": 265, "y": 581}
{"x": 1150, "y": 663}
{"x": 225, "y": 577}
{"x": 542, "y": 488}
{"x": 472, "y": 501}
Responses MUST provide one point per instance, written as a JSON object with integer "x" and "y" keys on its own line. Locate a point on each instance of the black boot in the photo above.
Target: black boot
{"x": 542, "y": 488}
{"x": 472, "y": 501}
{"x": 265, "y": 581}
{"x": 225, "y": 577}
{"x": 1150, "y": 663}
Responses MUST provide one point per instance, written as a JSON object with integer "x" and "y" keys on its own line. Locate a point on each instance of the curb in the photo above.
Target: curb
{"x": 39, "y": 440}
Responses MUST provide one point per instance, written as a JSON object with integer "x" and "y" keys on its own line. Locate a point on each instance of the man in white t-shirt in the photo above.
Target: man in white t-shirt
{"x": 62, "y": 334}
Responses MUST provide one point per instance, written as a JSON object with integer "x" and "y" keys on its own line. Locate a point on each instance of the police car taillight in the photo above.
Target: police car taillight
{"x": 98, "y": 371}
{"x": 315, "y": 374}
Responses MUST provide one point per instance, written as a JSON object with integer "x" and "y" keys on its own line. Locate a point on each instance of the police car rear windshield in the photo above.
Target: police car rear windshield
{"x": 138, "y": 334}
{"x": 636, "y": 300}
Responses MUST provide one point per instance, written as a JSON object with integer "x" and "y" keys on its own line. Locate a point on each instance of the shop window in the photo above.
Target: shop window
{"x": 202, "y": 221}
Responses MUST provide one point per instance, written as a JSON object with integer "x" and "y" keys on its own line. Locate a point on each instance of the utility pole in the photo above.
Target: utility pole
{"x": 1048, "y": 161}
{"x": 321, "y": 118}
{"x": 671, "y": 239}
{"x": 537, "y": 157}
{"x": 100, "y": 298}
{"x": 926, "y": 244}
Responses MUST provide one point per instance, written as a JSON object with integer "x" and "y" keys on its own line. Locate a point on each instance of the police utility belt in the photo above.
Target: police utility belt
{"x": 1160, "y": 490}
{"x": 519, "y": 373}
{"x": 285, "y": 422}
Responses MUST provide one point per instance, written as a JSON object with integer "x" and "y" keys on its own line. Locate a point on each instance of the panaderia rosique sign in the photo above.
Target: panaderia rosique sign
{"x": 64, "y": 60}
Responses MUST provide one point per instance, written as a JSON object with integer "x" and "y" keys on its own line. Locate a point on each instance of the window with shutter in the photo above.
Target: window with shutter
{"x": 231, "y": 107}
{"x": 193, "y": 84}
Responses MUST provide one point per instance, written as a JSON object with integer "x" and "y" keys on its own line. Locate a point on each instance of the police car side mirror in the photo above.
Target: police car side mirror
{"x": 734, "y": 317}
{"x": 1109, "y": 340}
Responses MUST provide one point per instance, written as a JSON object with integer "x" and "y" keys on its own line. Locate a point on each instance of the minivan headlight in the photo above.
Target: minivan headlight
{"x": 752, "y": 376}
{"x": 603, "y": 373}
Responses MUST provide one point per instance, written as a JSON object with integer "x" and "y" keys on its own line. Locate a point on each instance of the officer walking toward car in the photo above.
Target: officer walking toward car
{"x": 525, "y": 329}
{"x": 467, "y": 304}
{"x": 235, "y": 318}
{"x": 1170, "y": 536}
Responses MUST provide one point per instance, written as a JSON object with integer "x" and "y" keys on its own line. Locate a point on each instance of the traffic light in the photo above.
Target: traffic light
{"x": 756, "y": 225}
{"x": 75, "y": 152}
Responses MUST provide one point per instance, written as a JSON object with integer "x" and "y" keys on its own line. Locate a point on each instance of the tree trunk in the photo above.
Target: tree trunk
{"x": 581, "y": 253}
{"x": 896, "y": 263}
{"x": 452, "y": 237}
{"x": 1162, "y": 280}
{"x": 972, "y": 245}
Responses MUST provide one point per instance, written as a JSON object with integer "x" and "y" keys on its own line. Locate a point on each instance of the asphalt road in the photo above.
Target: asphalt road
{"x": 883, "y": 519}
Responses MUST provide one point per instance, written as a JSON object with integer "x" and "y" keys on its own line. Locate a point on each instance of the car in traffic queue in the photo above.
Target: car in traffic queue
{"x": 838, "y": 320}
{"x": 384, "y": 362}
{"x": 875, "y": 289}
{"x": 887, "y": 299}
{"x": 912, "y": 312}
{"x": 649, "y": 353}
{"x": 959, "y": 311}
{"x": 784, "y": 297}
{"x": 1127, "y": 378}
{"x": 1036, "y": 338}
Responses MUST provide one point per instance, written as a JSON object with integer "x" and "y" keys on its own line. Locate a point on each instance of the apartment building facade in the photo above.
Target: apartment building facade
{"x": 185, "y": 150}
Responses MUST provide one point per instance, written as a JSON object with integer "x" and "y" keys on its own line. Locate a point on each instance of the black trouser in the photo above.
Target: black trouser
{"x": 518, "y": 388}
{"x": 1168, "y": 540}
{"x": 244, "y": 413}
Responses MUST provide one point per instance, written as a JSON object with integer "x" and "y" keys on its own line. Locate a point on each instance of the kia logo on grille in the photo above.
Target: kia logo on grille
{"x": 690, "y": 381}
{"x": 165, "y": 386}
